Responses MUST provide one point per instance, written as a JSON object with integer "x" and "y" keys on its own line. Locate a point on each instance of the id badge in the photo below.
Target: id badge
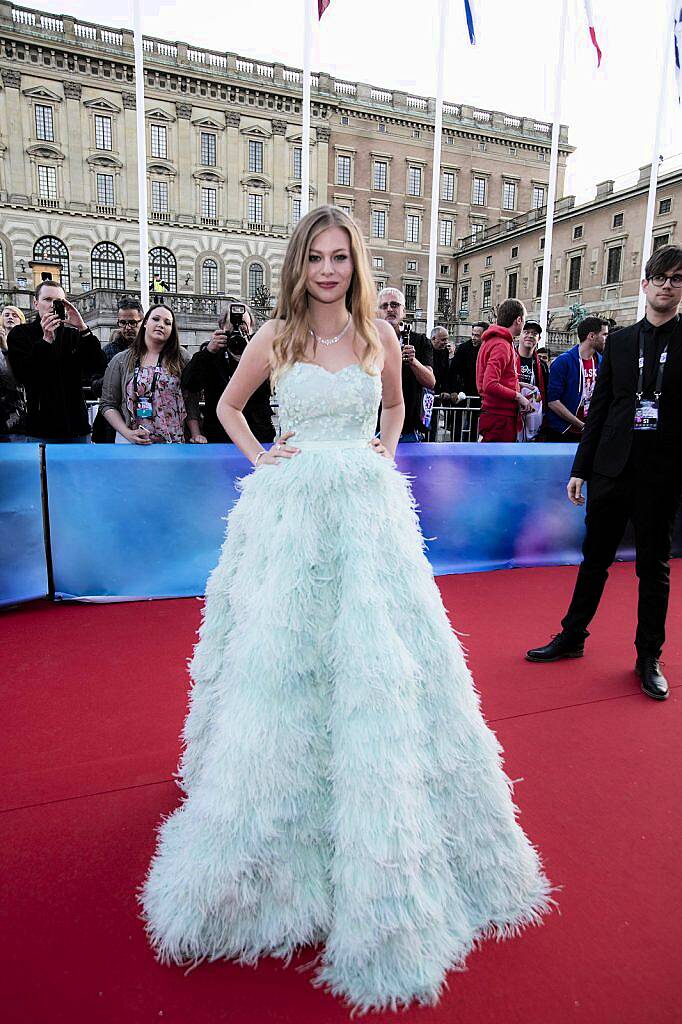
{"x": 144, "y": 409}
{"x": 646, "y": 415}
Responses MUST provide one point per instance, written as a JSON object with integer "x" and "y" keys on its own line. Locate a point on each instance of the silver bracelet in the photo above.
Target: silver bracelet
{"x": 260, "y": 454}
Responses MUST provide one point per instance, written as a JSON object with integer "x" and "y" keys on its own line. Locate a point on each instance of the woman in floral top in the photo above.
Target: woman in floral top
{"x": 141, "y": 396}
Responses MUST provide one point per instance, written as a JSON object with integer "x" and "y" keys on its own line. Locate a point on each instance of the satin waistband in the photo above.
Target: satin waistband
{"x": 329, "y": 443}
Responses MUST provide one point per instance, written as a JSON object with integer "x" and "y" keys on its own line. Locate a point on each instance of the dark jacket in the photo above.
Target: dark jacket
{"x": 565, "y": 386}
{"x": 464, "y": 368}
{"x": 51, "y": 375}
{"x": 211, "y": 372}
{"x": 606, "y": 441}
{"x": 497, "y": 376}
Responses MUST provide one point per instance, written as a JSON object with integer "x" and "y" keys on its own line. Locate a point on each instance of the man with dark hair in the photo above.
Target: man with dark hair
{"x": 128, "y": 319}
{"x": 497, "y": 375}
{"x": 464, "y": 360}
{"x": 50, "y": 356}
{"x": 533, "y": 376}
{"x": 572, "y": 379}
{"x": 630, "y": 455}
{"x": 211, "y": 369}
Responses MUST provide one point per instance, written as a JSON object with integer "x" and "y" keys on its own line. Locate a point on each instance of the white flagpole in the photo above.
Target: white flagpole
{"x": 435, "y": 176}
{"x": 655, "y": 157}
{"x": 553, "y": 167}
{"x": 307, "y": 56}
{"x": 141, "y": 155}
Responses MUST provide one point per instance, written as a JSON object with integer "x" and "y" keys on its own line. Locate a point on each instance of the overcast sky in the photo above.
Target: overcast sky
{"x": 610, "y": 112}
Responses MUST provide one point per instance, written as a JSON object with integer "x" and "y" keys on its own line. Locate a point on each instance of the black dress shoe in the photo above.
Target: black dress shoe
{"x": 560, "y": 646}
{"x": 654, "y": 683}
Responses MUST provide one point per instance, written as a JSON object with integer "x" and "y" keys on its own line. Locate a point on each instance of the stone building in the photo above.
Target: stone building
{"x": 596, "y": 253}
{"x": 224, "y": 168}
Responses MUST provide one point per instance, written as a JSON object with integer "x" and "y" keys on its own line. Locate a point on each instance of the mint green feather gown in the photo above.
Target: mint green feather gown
{"x": 341, "y": 786}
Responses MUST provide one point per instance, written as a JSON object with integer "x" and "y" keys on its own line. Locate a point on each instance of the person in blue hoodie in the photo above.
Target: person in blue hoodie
{"x": 572, "y": 377}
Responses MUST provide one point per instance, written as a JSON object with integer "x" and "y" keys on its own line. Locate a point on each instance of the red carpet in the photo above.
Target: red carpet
{"x": 93, "y": 702}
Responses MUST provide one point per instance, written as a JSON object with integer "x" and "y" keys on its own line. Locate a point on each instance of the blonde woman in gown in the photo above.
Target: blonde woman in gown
{"x": 341, "y": 787}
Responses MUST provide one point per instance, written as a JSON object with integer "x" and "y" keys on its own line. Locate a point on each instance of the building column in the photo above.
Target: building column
{"x": 75, "y": 190}
{"x": 233, "y": 172}
{"x": 323, "y": 135}
{"x": 19, "y": 187}
{"x": 187, "y": 204}
{"x": 128, "y": 150}
{"x": 280, "y": 176}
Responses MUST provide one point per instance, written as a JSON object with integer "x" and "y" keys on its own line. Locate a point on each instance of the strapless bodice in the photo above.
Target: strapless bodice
{"x": 323, "y": 406}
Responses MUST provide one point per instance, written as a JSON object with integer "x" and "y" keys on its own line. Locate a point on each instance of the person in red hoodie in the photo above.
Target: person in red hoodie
{"x": 497, "y": 375}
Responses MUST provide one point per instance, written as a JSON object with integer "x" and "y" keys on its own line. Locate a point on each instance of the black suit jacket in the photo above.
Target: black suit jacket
{"x": 606, "y": 441}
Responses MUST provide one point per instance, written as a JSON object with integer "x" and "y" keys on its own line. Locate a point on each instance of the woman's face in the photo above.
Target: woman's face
{"x": 330, "y": 265}
{"x": 10, "y": 318}
{"x": 159, "y": 326}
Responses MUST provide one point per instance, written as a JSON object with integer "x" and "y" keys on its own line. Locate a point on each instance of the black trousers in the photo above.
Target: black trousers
{"x": 647, "y": 492}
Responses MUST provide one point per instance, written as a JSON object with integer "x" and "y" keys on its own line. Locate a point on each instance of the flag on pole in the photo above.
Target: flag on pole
{"x": 471, "y": 24}
{"x": 322, "y": 6}
{"x": 677, "y": 39}
{"x": 593, "y": 34}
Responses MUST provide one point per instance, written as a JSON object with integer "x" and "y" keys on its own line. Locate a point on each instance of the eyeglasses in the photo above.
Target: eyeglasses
{"x": 128, "y": 323}
{"x": 660, "y": 279}
{"x": 390, "y": 305}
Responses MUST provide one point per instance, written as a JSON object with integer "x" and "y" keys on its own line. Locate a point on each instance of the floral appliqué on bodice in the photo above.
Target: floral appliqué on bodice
{"x": 319, "y": 405}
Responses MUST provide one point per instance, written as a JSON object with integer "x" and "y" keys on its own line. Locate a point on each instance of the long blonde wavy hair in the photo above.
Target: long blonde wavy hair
{"x": 291, "y": 341}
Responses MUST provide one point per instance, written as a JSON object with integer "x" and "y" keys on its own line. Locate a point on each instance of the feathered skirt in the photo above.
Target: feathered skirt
{"x": 341, "y": 786}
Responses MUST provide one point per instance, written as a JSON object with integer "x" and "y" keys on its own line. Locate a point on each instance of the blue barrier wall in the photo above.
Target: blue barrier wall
{"x": 23, "y": 572}
{"x": 149, "y": 522}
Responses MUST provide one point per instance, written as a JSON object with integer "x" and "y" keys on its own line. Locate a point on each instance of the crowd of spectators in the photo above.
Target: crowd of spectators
{"x": 497, "y": 385}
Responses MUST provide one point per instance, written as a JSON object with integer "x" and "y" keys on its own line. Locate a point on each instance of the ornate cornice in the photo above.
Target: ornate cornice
{"x": 279, "y": 127}
{"x": 232, "y": 120}
{"x": 72, "y": 90}
{"x": 11, "y": 79}
{"x": 323, "y": 134}
{"x": 128, "y": 100}
{"x": 184, "y": 111}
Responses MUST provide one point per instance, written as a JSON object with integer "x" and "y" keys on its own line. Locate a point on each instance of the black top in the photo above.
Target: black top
{"x": 441, "y": 369}
{"x": 211, "y": 372}
{"x": 528, "y": 371}
{"x": 412, "y": 389}
{"x": 51, "y": 375}
{"x": 464, "y": 367}
{"x": 110, "y": 350}
{"x": 607, "y": 439}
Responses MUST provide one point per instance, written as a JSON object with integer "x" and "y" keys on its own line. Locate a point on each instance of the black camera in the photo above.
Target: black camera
{"x": 405, "y": 334}
{"x": 236, "y": 337}
{"x": 59, "y": 309}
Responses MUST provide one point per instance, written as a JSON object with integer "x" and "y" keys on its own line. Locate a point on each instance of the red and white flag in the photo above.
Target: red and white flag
{"x": 590, "y": 23}
{"x": 322, "y": 6}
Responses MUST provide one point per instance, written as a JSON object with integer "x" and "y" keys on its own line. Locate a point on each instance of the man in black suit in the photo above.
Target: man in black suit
{"x": 631, "y": 455}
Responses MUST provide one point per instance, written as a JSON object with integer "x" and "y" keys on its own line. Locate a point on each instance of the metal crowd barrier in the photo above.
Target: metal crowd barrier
{"x": 457, "y": 422}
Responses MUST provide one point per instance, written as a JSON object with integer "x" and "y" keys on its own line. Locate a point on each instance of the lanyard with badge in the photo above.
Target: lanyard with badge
{"x": 144, "y": 408}
{"x": 646, "y": 409}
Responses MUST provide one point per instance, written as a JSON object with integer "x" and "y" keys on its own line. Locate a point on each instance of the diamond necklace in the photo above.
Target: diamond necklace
{"x": 332, "y": 341}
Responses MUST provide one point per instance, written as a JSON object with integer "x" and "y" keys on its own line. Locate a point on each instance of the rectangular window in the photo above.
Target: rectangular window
{"x": 577, "y": 231}
{"x": 487, "y": 292}
{"x": 295, "y": 211}
{"x": 443, "y": 300}
{"x": 447, "y": 188}
{"x": 476, "y": 230}
{"x": 411, "y": 266}
{"x": 44, "y": 123}
{"x": 618, "y": 220}
{"x": 574, "y": 273}
{"x": 445, "y": 233}
{"x": 444, "y": 269}
{"x": 298, "y": 162}
{"x": 414, "y": 181}
{"x": 410, "y": 296}
{"x": 542, "y": 243}
{"x": 159, "y": 141}
{"x": 256, "y": 209}
{"x": 538, "y": 197}
{"x": 538, "y": 281}
{"x": 102, "y": 132}
{"x": 514, "y": 252}
{"x": 209, "y": 202}
{"x": 660, "y": 240}
{"x": 344, "y": 209}
{"x": 255, "y": 156}
{"x": 380, "y": 181}
{"x": 378, "y": 262}
{"x": 47, "y": 182}
{"x": 512, "y": 285}
{"x": 378, "y": 223}
{"x": 208, "y": 149}
{"x": 105, "y": 189}
{"x": 412, "y": 227}
{"x": 159, "y": 196}
{"x": 465, "y": 268}
{"x": 509, "y": 195}
{"x": 664, "y": 206}
{"x": 343, "y": 170}
{"x": 464, "y": 297}
{"x": 488, "y": 261}
{"x": 478, "y": 191}
{"x": 613, "y": 265}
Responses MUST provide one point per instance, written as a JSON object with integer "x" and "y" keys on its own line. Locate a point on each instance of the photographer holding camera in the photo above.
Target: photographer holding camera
{"x": 211, "y": 368}
{"x": 417, "y": 370}
{"x": 49, "y": 356}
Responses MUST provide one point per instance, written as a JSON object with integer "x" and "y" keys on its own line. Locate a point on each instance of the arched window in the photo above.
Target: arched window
{"x": 209, "y": 277}
{"x": 162, "y": 267}
{"x": 53, "y": 250}
{"x": 108, "y": 267}
{"x": 256, "y": 279}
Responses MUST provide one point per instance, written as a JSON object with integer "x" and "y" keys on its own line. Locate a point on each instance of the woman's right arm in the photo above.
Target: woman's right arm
{"x": 253, "y": 370}
{"x": 112, "y": 401}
